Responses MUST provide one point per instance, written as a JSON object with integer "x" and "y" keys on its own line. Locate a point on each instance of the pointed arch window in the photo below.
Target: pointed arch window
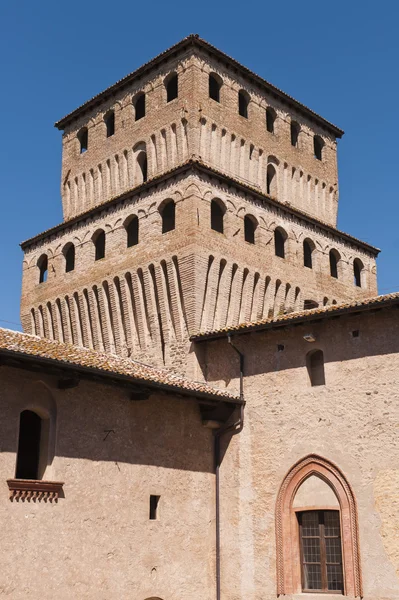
{"x": 271, "y": 181}
{"x": 132, "y": 231}
{"x": 215, "y": 85}
{"x": 99, "y": 244}
{"x": 357, "y": 272}
{"x": 69, "y": 254}
{"x": 308, "y": 248}
{"x": 334, "y": 260}
{"x": 42, "y": 264}
{"x": 83, "y": 137}
{"x": 217, "y": 215}
{"x": 142, "y": 163}
{"x": 172, "y": 87}
{"x": 168, "y": 214}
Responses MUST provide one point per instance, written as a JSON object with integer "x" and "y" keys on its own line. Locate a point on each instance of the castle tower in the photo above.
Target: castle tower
{"x": 196, "y": 196}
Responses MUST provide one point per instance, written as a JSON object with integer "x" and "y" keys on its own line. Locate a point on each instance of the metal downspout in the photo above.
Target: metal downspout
{"x": 235, "y": 427}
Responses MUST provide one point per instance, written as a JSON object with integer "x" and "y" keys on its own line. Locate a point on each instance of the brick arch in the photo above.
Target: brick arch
{"x": 287, "y": 535}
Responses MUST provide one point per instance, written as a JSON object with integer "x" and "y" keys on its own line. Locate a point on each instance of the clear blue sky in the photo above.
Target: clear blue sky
{"x": 340, "y": 58}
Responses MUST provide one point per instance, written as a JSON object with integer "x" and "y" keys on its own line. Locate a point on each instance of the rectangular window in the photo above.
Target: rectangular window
{"x": 321, "y": 555}
{"x": 154, "y": 501}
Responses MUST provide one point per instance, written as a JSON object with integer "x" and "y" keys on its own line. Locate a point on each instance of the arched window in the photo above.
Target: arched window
{"x": 334, "y": 260}
{"x": 318, "y": 145}
{"x": 316, "y": 522}
{"x": 243, "y": 102}
{"x": 171, "y": 85}
{"x": 315, "y": 366}
{"x": 142, "y": 162}
{"x": 270, "y": 119}
{"x": 295, "y": 129}
{"x": 215, "y": 85}
{"x": 217, "y": 216}
{"x": 109, "y": 121}
{"x": 308, "y": 248}
{"x": 168, "y": 214}
{"x": 357, "y": 272}
{"x": 250, "y": 225}
{"x": 99, "y": 244}
{"x": 83, "y": 137}
{"x": 139, "y": 106}
{"x": 279, "y": 242}
{"x": 69, "y": 254}
{"x": 31, "y": 446}
{"x": 132, "y": 231}
{"x": 42, "y": 264}
{"x": 271, "y": 181}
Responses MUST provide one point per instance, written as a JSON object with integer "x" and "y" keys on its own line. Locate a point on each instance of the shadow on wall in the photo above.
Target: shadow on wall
{"x": 101, "y": 423}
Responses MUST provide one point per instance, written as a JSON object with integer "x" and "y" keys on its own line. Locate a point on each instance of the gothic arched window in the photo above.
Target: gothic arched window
{"x": 83, "y": 137}
{"x": 357, "y": 272}
{"x": 308, "y": 248}
{"x": 334, "y": 260}
{"x": 42, "y": 264}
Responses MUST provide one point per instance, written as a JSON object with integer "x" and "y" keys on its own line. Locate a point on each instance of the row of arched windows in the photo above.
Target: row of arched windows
{"x": 139, "y": 105}
{"x": 218, "y": 210}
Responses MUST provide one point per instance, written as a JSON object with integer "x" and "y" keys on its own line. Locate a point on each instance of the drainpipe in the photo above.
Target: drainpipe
{"x": 235, "y": 427}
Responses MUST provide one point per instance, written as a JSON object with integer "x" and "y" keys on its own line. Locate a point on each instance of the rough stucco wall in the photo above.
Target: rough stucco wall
{"x": 98, "y": 542}
{"x": 352, "y": 421}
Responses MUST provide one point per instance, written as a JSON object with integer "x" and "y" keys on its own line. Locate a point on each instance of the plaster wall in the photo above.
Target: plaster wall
{"x": 351, "y": 421}
{"x": 98, "y": 542}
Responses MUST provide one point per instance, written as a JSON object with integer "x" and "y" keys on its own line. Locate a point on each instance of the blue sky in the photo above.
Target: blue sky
{"x": 339, "y": 58}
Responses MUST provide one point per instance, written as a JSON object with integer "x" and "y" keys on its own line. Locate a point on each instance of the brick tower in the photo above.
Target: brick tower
{"x": 196, "y": 195}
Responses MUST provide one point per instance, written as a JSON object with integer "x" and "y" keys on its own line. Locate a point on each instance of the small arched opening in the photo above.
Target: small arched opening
{"x": 139, "y": 106}
{"x": 250, "y": 225}
{"x": 215, "y": 85}
{"x": 109, "y": 121}
{"x": 42, "y": 264}
{"x": 132, "y": 231}
{"x": 217, "y": 215}
{"x": 172, "y": 87}
{"x": 279, "y": 242}
{"x": 99, "y": 244}
{"x": 334, "y": 258}
{"x": 271, "y": 180}
{"x": 32, "y": 446}
{"x": 271, "y": 116}
{"x": 168, "y": 215}
{"x": 315, "y": 367}
{"x": 318, "y": 145}
{"x": 143, "y": 165}
{"x": 69, "y": 255}
{"x": 295, "y": 129}
{"x": 357, "y": 272}
{"x": 243, "y": 103}
{"x": 83, "y": 137}
{"x": 308, "y": 248}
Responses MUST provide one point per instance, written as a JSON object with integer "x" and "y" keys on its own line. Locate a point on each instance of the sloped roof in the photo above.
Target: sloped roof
{"x": 195, "y": 40}
{"x": 294, "y": 318}
{"x": 14, "y": 344}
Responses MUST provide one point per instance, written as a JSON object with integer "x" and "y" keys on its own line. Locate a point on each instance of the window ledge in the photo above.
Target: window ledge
{"x": 27, "y": 489}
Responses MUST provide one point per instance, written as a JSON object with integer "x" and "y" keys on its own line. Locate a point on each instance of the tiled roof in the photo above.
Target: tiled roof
{"x": 193, "y": 40}
{"x": 197, "y": 162}
{"x": 293, "y": 318}
{"x": 23, "y": 345}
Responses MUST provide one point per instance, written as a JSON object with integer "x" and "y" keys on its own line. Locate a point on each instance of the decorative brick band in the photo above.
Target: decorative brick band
{"x": 287, "y": 537}
{"x": 31, "y": 489}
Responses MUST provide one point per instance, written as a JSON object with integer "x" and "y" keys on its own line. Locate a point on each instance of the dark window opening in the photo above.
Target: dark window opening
{"x": 321, "y": 554}
{"x": 271, "y": 181}
{"x": 69, "y": 254}
{"x": 315, "y": 365}
{"x": 307, "y": 254}
{"x": 171, "y": 85}
{"x": 280, "y": 347}
{"x": 357, "y": 272}
{"x": 249, "y": 229}
{"x": 30, "y": 430}
{"x": 142, "y": 162}
{"x": 270, "y": 119}
{"x": 217, "y": 216}
{"x": 154, "y": 501}
{"x": 243, "y": 101}
{"x": 139, "y": 106}
{"x": 168, "y": 217}
{"x": 309, "y": 304}
{"x": 43, "y": 268}
{"x": 83, "y": 137}
{"x": 132, "y": 230}
{"x": 318, "y": 147}
{"x": 334, "y": 264}
{"x": 355, "y": 333}
{"x": 295, "y": 129}
{"x": 279, "y": 243}
{"x": 214, "y": 87}
{"x": 110, "y": 123}
{"x": 99, "y": 244}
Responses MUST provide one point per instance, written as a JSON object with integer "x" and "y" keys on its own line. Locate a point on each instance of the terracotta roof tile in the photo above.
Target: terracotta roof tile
{"x": 25, "y": 345}
{"x": 302, "y": 316}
